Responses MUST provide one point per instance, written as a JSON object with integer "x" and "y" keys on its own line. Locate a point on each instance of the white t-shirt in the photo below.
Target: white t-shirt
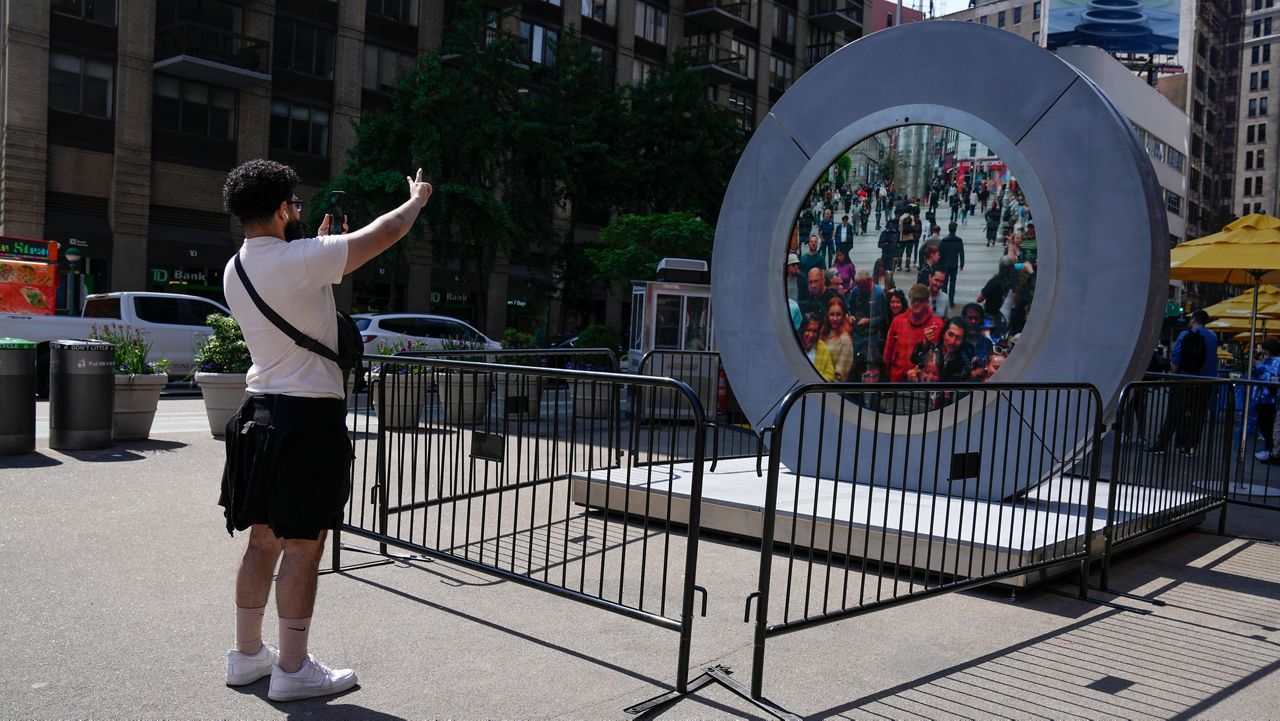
{"x": 296, "y": 281}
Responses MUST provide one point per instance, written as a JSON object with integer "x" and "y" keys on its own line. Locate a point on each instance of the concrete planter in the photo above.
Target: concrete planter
{"x": 402, "y": 405}
{"x": 465, "y": 398}
{"x": 223, "y": 394}
{"x": 136, "y": 398}
{"x": 521, "y": 395}
{"x": 593, "y": 400}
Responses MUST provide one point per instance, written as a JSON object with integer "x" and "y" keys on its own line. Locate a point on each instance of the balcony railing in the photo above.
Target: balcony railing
{"x": 719, "y": 14}
{"x": 718, "y": 64}
{"x": 213, "y": 54}
{"x": 519, "y": 47}
{"x": 836, "y": 15}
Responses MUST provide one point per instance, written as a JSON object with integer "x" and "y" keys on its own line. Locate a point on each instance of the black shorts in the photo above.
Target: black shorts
{"x": 288, "y": 465}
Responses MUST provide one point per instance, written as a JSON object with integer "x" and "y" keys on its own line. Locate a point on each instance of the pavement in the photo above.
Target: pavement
{"x": 116, "y": 603}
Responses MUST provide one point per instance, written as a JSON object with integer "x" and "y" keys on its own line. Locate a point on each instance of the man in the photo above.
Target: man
{"x": 907, "y": 239}
{"x": 817, "y": 294}
{"x": 916, "y": 326}
{"x": 939, "y": 299}
{"x": 795, "y": 279}
{"x": 867, "y": 309}
{"x": 952, "y": 257}
{"x": 826, "y": 229}
{"x": 813, "y": 258}
{"x": 844, "y": 235}
{"x": 888, "y": 244}
{"x": 929, "y": 255}
{"x": 992, "y": 217}
{"x": 290, "y": 487}
{"x": 1195, "y": 353}
{"x": 978, "y": 343}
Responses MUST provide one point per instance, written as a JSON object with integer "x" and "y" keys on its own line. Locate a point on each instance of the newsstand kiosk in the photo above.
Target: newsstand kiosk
{"x": 673, "y": 313}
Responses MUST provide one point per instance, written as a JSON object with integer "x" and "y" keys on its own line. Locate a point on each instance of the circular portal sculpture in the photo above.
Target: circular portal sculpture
{"x": 1103, "y": 238}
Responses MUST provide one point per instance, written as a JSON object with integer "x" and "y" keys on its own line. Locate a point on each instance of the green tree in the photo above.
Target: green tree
{"x": 681, "y": 149}
{"x": 633, "y": 244}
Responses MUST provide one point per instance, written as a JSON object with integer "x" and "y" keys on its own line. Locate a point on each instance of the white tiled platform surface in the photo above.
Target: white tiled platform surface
{"x": 942, "y": 534}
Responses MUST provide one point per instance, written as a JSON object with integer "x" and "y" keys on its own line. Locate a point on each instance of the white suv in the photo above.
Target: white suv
{"x": 428, "y": 332}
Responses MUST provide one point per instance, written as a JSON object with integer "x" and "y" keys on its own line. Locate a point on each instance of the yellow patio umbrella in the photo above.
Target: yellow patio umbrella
{"x": 1245, "y": 325}
{"x": 1241, "y": 306}
{"x": 1245, "y": 252}
{"x": 1261, "y": 334}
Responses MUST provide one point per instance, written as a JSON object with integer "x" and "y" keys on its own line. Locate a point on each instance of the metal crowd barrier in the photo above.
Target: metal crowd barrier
{"x": 1255, "y": 469}
{"x": 517, "y": 471}
{"x": 913, "y": 535}
{"x": 731, "y": 435}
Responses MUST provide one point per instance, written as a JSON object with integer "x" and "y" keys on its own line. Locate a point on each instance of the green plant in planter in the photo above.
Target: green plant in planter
{"x": 131, "y": 350}
{"x": 225, "y": 350}
{"x": 389, "y": 348}
{"x": 455, "y": 343}
{"x": 513, "y": 339}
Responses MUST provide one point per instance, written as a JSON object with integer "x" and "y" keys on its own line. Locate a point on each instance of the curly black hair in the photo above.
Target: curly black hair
{"x": 255, "y": 189}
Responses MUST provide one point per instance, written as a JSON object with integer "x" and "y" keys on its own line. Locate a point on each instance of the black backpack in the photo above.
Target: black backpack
{"x": 1193, "y": 349}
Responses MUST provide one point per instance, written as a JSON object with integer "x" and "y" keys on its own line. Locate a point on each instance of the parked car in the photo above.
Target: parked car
{"x": 430, "y": 331}
{"x": 172, "y": 323}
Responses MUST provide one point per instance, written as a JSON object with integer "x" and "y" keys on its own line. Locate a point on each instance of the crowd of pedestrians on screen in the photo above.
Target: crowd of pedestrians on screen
{"x": 893, "y": 314}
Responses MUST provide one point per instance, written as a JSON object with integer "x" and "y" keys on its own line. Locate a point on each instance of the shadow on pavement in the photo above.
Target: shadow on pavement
{"x": 29, "y": 460}
{"x": 124, "y": 451}
{"x": 326, "y": 705}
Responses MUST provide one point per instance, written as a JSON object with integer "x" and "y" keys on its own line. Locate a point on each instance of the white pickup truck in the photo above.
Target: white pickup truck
{"x": 173, "y": 323}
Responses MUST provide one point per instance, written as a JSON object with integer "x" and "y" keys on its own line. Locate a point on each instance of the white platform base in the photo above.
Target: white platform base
{"x": 942, "y": 534}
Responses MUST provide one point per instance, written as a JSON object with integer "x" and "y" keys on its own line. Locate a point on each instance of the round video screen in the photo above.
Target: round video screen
{"x": 912, "y": 259}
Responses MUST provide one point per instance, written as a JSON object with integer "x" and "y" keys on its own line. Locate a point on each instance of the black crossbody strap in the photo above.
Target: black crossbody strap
{"x": 298, "y": 336}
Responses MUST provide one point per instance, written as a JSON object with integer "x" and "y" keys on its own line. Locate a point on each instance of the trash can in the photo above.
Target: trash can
{"x": 81, "y": 394}
{"x": 17, "y": 396}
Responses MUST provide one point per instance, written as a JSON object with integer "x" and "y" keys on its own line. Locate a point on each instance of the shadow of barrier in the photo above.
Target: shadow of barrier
{"x": 495, "y": 467}
{"x": 591, "y": 485}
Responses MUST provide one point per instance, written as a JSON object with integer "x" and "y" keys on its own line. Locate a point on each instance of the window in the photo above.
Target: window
{"x": 98, "y": 11}
{"x": 1266, "y": 53}
{"x": 1266, "y": 26}
{"x": 219, "y": 14}
{"x": 784, "y": 25}
{"x": 1017, "y": 15}
{"x": 384, "y": 68}
{"x": 744, "y": 108}
{"x": 1246, "y": 209}
{"x": 190, "y": 107}
{"x": 1248, "y": 160}
{"x": 1253, "y": 107}
{"x": 1249, "y": 134}
{"x": 154, "y": 309}
{"x": 888, "y": 20}
{"x": 597, "y": 10}
{"x": 641, "y": 71}
{"x": 1262, "y": 157}
{"x": 1253, "y": 81}
{"x": 1262, "y": 105}
{"x": 540, "y": 42}
{"x": 1035, "y": 10}
{"x": 1257, "y": 5}
{"x": 303, "y": 48}
{"x": 1257, "y": 207}
{"x": 651, "y": 23}
{"x": 401, "y": 11}
{"x": 1174, "y": 159}
{"x": 1000, "y": 19}
{"x": 1253, "y": 55}
{"x": 1262, "y": 132}
{"x": 1265, "y": 80}
{"x": 781, "y": 73}
{"x": 299, "y": 129}
{"x": 608, "y": 61}
{"x": 973, "y": 150}
{"x": 1035, "y": 37}
{"x": 1257, "y": 185}
{"x": 1248, "y": 186}
{"x": 748, "y": 55}
{"x": 79, "y": 85}
{"x": 1257, "y": 28}
{"x": 982, "y": 19}
{"x": 1173, "y": 202}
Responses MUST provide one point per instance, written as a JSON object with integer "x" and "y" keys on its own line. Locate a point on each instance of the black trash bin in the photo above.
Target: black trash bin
{"x": 81, "y": 394}
{"x": 17, "y": 396}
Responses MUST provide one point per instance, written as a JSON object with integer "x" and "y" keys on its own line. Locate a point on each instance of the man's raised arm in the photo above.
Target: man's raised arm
{"x": 365, "y": 244}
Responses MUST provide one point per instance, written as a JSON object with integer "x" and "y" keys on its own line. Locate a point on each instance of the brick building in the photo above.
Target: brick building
{"x": 120, "y": 119}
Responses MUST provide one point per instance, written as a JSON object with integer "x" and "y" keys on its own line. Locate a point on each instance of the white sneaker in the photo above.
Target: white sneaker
{"x": 1262, "y": 455}
{"x": 313, "y": 679}
{"x": 245, "y": 668}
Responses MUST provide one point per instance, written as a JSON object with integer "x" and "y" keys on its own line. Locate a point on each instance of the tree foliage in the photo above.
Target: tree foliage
{"x": 633, "y": 244}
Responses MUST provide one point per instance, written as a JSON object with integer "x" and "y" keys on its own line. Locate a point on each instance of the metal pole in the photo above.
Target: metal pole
{"x": 1253, "y": 342}
{"x": 897, "y": 18}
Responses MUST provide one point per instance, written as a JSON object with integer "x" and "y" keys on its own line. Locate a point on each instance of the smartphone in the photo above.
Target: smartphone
{"x": 335, "y": 209}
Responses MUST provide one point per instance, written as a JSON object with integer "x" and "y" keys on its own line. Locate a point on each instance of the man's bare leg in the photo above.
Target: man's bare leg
{"x": 253, "y": 586}
{"x": 296, "y": 597}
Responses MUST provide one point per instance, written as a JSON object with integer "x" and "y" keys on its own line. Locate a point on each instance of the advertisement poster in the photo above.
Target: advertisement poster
{"x": 27, "y": 287}
{"x": 1145, "y": 27}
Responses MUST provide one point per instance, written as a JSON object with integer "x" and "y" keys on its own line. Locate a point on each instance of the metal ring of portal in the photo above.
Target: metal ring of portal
{"x": 1100, "y": 216}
